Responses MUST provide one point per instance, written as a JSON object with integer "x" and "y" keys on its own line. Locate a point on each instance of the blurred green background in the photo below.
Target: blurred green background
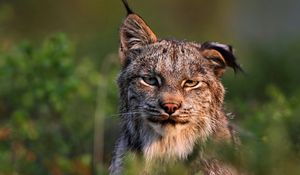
{"x": 58, "y": 65}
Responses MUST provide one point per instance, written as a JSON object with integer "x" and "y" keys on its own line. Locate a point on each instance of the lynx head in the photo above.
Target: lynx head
{"x": 171, "y": 87}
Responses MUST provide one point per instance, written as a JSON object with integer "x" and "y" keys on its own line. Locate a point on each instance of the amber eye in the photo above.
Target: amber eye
{"x": 152, "y": 81}
{"x": 190, "y": 83}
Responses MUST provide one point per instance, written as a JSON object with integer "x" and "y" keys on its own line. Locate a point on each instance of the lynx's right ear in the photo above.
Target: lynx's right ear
{"x": 134, "y": 33}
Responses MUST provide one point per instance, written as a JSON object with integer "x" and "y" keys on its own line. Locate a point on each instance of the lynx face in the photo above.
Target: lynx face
{"x": 171, "y": 86}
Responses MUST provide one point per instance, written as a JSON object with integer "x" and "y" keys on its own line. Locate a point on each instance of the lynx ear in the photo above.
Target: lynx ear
{"x": 220, "y": 55}
{"x": 134, "y": 33}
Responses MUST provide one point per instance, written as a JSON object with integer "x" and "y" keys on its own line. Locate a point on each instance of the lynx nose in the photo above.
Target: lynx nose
{"x": 170, "y": 108}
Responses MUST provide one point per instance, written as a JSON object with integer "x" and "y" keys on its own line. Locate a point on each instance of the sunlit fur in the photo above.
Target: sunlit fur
{"x": 173, "y": 66}
{"x": 200, "y": 115}
{"x": 174, "y": 62}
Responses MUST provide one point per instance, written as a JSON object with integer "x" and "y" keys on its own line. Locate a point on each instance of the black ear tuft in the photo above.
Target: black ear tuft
{"x": 128, "y": 9}
{"x": 226, "y": 52}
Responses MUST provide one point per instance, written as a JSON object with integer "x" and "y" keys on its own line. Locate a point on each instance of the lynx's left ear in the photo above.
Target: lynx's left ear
{"x": 134, "y": 33}
{"x": 221, "y": 55}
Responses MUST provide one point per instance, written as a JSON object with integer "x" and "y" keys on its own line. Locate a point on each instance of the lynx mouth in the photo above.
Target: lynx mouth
{"x": 168, "y": 120}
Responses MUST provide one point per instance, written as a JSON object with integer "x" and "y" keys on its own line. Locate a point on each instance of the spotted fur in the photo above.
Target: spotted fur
{"x": 146, "y": 127}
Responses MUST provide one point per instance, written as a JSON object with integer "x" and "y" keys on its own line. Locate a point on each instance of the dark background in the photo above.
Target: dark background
{"x": 58, "y": 65}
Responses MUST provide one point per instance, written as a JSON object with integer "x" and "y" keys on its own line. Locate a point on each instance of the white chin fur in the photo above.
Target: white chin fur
{"x": 169, "y": 142}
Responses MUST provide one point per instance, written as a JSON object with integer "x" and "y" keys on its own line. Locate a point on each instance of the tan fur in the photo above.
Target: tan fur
{"x": 183, "y": 74}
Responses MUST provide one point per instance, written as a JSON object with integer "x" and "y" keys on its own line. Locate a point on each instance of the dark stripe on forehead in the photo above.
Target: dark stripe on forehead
{"x": 202, "y": 70}
{"x": 164, "y": 50}
{"x": 174, "y": 56}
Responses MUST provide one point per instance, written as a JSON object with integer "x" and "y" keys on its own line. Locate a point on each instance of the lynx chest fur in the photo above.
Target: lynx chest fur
{"x": 171, "y": 94}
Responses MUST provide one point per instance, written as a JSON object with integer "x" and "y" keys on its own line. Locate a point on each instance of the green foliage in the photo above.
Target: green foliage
{"x": 270, "y": 140}
{"x": 47, "y": 105}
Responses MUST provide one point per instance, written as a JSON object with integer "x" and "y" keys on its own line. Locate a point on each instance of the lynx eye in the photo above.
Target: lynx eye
{"x": 190, "y": 84}
{"x": 152, "y": 81}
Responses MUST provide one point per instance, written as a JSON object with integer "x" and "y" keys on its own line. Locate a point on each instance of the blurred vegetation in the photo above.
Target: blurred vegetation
{"x": 41, "y": 88}
{"x": 58, "y": 96}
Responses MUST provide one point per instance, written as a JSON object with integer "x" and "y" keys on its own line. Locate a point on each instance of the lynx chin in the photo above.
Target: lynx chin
{"x": 171, "y": 97}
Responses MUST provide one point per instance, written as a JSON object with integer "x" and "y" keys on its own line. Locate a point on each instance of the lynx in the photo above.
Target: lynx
{"x": 171, "y": 96}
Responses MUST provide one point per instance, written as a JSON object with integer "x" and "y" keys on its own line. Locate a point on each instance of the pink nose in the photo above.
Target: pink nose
{"x": 170, "y": 108}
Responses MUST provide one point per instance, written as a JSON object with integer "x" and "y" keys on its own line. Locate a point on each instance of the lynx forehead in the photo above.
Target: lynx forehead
{"x": 171, "y": 97}
{"x": 169, "y": 56}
